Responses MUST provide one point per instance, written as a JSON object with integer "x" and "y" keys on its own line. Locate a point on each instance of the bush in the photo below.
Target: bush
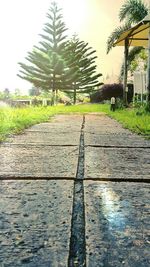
{"x": 63, "y": 99}
{"x": 143, "y": 109}
{"x": 106, "y": 92}
{"x": 119, "y": 103}
{"x": 147, "y": 108}
{"x": 109, "y": 90}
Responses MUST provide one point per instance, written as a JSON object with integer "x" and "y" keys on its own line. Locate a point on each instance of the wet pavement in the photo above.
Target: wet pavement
{"x": 75, "y": 192}
{"x": 117, "y": 224}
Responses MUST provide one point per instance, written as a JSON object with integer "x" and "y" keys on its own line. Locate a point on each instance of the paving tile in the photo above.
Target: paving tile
{"x": 117, "y": 163}
{"x": 115, "y": 139}
{"x": 53, "y": 127}
{"x": 47, "y": 138}
{"x": 71, "y": 118}
{"x": 38, "y": 161}
{"x": 60, "y": 123}
{"x": 62, "y": 130}
{"x": 117, "y": 224}
{"x": 101, "y": 130}
{"x": 103, "y": 124}
{"x": 35, "y": 221}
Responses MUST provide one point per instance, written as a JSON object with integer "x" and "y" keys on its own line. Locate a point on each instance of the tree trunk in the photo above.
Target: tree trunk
{"x": 148, "y": 74}
{"x": 75, "y": 96}
{"x": 53, "y": 91}
{"x": 125, "y": 72}
{"x": 53, "y": 98}
{"x": 56, "y": 97}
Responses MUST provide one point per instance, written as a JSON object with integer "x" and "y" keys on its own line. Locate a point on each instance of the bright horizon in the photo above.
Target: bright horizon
{"x": 21, "y": 22}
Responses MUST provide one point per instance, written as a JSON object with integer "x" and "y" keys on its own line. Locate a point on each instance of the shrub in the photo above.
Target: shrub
{"x": 119, "y": 103}
{"x": 147, "y": 108}
{"x": 109, "y": 90}
{"x": 106, "y": 92}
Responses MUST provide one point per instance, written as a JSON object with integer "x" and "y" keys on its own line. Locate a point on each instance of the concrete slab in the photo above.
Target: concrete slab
{"x": 60, "y": 123}
{"x": 53, "y": 127}
{"x": 47, "y": 138}
{"x": 101, "y": 130}
{"x": 103, "y": 125}
{"x": 117, "y": 224}
{"x": 117, "y": 163}
{"x": 38, "y": 161}
{"x": 35, "y": 221}
{"x": 121, "y": 140}
{"x": 64, "y": 118}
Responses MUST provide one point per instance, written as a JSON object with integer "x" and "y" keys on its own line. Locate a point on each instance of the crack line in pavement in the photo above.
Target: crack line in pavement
{"x": 111, "y": 146}
{"x": 45, "y": 132}
{"x": 77, "y": 252}
{"x": 36, "y": 145}
{"x": 119, "y": 180}
{"x": 102, "y": 179}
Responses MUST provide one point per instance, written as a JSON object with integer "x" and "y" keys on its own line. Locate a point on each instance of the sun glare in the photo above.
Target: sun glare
{"x": 75, "y": 13}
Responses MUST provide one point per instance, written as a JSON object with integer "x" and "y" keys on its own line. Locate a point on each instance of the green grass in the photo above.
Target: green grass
{"x": 15, "y": 120}
{"x": 137, "y": 123}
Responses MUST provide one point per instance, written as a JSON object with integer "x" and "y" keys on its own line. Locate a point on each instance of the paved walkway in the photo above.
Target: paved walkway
{"x": 75, "y": 192}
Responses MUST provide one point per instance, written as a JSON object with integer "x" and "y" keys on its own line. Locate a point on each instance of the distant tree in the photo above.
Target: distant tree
{"x": 17, "y": 92}
{"x": 80, "y": 58}
{"x": 6, "y": 93}
{"x": 1, "y": 95}
{"x": 34, "y": 91}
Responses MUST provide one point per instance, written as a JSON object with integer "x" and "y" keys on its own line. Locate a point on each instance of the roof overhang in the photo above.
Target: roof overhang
{"x": 138, "y": 35}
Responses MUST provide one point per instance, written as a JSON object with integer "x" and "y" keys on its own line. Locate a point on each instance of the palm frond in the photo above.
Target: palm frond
{"x": 133, "y": 11}
{"x": 132, "y": 54}
{"x": 115, "y": 35}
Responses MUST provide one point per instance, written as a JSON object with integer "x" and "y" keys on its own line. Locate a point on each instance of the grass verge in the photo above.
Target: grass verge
{"x": 15, "y": 120}
{"x": 136, "y": 123}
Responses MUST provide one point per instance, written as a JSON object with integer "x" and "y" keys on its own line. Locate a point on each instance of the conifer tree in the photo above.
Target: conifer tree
{"x": 81, "y": 61}
{"x": 59, "y": 64}
{"x": 47, "y": 65}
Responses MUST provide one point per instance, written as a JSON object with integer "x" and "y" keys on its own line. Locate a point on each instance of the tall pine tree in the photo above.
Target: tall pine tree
{"x": 58, "y": 64}
{"x": 81, "y": 61}
{"x": 47, "y": 65}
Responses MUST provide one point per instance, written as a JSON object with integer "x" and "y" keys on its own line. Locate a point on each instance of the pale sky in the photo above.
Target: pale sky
{"x": 22, "y": 20}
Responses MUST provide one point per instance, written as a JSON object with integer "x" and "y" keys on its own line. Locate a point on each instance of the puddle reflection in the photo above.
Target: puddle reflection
{"x": 112, "y": 208}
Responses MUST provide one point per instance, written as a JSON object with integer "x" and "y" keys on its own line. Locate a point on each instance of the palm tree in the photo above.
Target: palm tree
{"x": 131, "y": 12}
{"x": 115, "y": 35}
{"x": 131, "y": 56}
